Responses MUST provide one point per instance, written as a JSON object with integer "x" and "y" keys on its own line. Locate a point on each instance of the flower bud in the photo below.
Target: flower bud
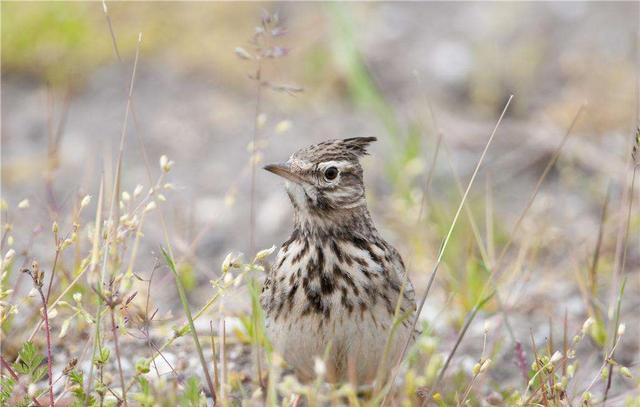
{"x": 319, "y": 367}
{"x": 485, "y": 365}
{"x": 150, "y": 206}
{"x": 264, "y": 253}
{"x": 626, "y": 372}
{"x": 24, "y": 204}
{"x": 165, "y": 163}
{"x": 587, "y": 324}
{"x": 557, "y": 356}
{"x": 85, "y": 201}
{"x": 226, "y": 263}
{"x": 9, "y": 256}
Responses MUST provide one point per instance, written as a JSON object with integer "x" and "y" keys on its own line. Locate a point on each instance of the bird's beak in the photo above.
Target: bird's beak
{"x": 283, "y": 170}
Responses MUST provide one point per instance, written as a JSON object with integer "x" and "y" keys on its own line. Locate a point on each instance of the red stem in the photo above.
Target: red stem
{"x": 15, "y": 377}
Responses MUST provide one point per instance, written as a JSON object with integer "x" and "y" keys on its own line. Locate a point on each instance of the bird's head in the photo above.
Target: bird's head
{"x": 325, "y": 176}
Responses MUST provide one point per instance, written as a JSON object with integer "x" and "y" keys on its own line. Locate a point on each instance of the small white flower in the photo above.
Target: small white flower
{"x": 228, "y": 278}
{"x": 264, "y": 253}
{"x": 165, "y": 163}
{"x": 10, "y": 240}
{"x": 85, "y": 201}
{"x": 9, "y": 256}
{"x": 621, "y": 329}
{"x": 626, "y": 372}
{"x": 242, "y": 53}
{"x": 587, "y": 324}
{"x": 77, "y": 297}
{"x": 557, "y": 356}
{"x": 226, "y": 263}
{"x": 150, "y": 206}
{"x": 24, "y": 204}
{"x": 64, "y": 328}
{"x": 125, "y": 196}
{"x": 319, "y": 367}
{"x": 137, "y": 190}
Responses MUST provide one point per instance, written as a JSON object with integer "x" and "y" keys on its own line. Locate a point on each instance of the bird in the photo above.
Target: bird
{"x": 337, "y": 292}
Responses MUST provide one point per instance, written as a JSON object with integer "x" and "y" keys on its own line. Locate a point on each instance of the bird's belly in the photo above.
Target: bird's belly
{"x": 351, "y": 346}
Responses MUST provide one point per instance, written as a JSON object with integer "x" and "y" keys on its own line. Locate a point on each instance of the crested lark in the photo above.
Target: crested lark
{"x": 336, "y": 284}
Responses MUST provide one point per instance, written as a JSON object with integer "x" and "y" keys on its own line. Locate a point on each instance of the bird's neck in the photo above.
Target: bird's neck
{"x": 334, "y": 223}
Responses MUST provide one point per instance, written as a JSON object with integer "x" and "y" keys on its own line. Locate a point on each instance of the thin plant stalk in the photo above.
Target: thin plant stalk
{"x": 475, "y": 376}
{"x": 113, "y": 217}
{"x": 114, "y": 329}
{"x": 194, "y": 334}
{"x": 463, "y": 331}
{"x": 94, "y": 255}
{"x": 254, "y": 144}
{"x": 445, "y": 241}
{"x": 593, "y": 271}
{"x": 37, "y": 276}
{"x": 616, "y": 324}
{"x": 216, "y": 381}
{"x": 223, "y": 360}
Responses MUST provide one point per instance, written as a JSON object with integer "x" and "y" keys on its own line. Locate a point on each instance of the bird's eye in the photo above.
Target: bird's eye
{"x": 331, "y": 173}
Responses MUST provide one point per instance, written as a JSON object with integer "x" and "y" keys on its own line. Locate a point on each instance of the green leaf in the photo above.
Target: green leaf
{"x": 192, "y": 395}
{"x": 30, "y": 359}
{"x": 76, "y": 377}
{"x": 144, "y": 398}
{"x": 103, "y": 357}
{"x": 39, "y": 373}
{"x": 143, "y": 366}
{"x": 6, "y": 388}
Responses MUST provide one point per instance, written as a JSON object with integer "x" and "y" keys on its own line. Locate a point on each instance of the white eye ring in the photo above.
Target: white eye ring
{"x": 331, "y": 173}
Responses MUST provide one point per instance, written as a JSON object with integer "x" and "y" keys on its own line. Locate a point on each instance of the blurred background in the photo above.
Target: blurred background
{"x": 407, "y": 73}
